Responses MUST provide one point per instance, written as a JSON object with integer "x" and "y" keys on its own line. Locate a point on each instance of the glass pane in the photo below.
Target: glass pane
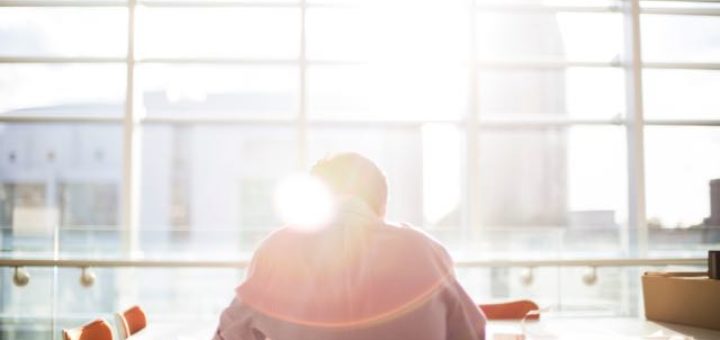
{"x": 24, "y": 220}
{"x": 562, "y": 291}
{"x": 387, "y": 93}
{"x": 562, "y": 35}
{"x": 219, "y": 32}
{"x": 680, "y": 38}
{"x": 62, "y": 89}
{"x": 681, "y": 94}
{"x": 573, "y": 92}
{"x": 238, "y": 91}
{"x": 171, "y": 314}
{"x": 25, "y": 312}
{"x": 77, "y": 304}
{"x": 165, "y": 300}
{"x": 680, "y": 163}
{"x": 388, "y": 33}
{"x": 443, "y": 185}
{"x": 70, "y": 32}
{"x": 549, "y": 179}
{"x": 217, "y": 203}
{"x": 488, "y": 285}
{"x": 59, "y": 175}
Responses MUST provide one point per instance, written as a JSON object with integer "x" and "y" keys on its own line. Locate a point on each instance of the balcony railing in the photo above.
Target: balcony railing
{"x": 21, "y": 277}
{"x": 241, "y": 264}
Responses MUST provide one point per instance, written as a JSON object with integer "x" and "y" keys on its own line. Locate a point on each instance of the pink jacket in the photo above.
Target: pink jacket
{"x": 360, "y": 278}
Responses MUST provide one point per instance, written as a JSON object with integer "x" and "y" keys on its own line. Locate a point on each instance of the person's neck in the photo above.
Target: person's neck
{"x": 355, "y": 211}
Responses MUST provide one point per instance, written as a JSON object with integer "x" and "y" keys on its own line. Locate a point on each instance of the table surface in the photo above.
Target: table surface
{"x": 597, "y": 328}
{"x": 550, "y": 327}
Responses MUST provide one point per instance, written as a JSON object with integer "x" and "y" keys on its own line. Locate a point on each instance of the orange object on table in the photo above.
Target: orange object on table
{"x": 131, "y": 321}
{"x": 514, "y": 310}
{"x": 95, "y": 330}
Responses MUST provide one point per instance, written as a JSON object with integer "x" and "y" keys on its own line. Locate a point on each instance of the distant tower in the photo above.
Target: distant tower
{"x": 524, "y": 172}
{"x": 714, "y": 219}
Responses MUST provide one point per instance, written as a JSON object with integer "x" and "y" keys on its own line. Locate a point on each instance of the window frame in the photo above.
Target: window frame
{"x": 472, "y": 124}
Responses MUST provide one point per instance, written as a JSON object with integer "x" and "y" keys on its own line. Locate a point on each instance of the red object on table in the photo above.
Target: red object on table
{"x": 95, "y": 330}
{"x": 514, "y": 310}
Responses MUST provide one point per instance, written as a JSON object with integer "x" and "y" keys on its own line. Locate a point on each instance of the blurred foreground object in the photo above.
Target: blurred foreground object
{"x": 684, "y": 298}
{"x": 514, "y": 310}
{"x": 95, "y": 330}
{"x": 130, "y": 321}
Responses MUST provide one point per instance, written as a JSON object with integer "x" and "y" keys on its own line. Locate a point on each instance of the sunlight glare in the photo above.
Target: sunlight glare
{"x": 303, "y": 202}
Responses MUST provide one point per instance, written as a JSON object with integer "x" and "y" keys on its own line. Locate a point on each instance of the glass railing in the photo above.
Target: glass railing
{"x": 185, "y": 278}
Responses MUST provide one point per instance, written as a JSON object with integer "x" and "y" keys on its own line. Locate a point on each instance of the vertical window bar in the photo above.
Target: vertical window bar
{"x": 131, "y": 146}
{"x": 637, "y": 233}
{"x": 471, "y": 218}
{"x": 637, "y": 237}
{"x": 302, "y": 109}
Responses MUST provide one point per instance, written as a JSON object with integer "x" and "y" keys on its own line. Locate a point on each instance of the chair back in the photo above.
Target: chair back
{"x": 95, "y": 330}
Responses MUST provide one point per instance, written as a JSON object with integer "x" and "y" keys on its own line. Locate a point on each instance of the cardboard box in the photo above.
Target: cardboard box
{"x": 685, "y": 298}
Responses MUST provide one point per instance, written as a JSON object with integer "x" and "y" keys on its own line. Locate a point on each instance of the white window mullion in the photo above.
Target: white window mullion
{"x": 637, "y": 223}
{"x": 472, "y": 220}
{"x": 131, "y": 146}
{"x": 302, "y": 109}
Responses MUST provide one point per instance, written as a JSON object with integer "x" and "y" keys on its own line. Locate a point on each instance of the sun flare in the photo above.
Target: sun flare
{"x": 304, "y": 202}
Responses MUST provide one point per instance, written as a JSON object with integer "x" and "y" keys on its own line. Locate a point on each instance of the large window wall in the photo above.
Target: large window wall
{"x": 508, "y": 130}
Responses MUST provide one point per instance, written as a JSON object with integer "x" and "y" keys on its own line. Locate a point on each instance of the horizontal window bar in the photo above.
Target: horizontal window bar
{"x": 629, "y": 262}
{"x": 544, "y": 122}
{"x": 139, "y": 263}
{"x": 489, "y": 64}
{"x": 115, "y": 3}
{"x": 212, "y": 60}
{"x": 685, "y": 1}
{"x": 293, "y": 122}
{"x": 51, "y": 60}
{"x": 681, "y": 11}
{"x": 218, "y": 4}
{"x": 498, "y": 7}
{"x": 502, "y": 7}
{"x": 483, "y": 122}
{"x": 401, "y": 124}
{"x": 174, "y": 60}
{"x": 683, "y": 122}
{"x": 168, "y": 119}
{"x": 31, "y": 118}
{"x": 62, "y": 3}
{"x": 379, "y": 123}
{"x": 189, "y": 4}
{"x": 679, "y": 65}
{"x": 248, "y": 61}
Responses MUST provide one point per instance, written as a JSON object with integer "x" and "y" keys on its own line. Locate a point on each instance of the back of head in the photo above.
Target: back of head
{"x": 351, "y": 174}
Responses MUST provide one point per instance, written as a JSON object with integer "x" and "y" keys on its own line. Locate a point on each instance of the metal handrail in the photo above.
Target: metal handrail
{"x": 239, "y": 264}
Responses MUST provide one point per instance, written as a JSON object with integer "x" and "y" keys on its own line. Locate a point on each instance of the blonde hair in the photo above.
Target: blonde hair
{"x": 351, "y": 174}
